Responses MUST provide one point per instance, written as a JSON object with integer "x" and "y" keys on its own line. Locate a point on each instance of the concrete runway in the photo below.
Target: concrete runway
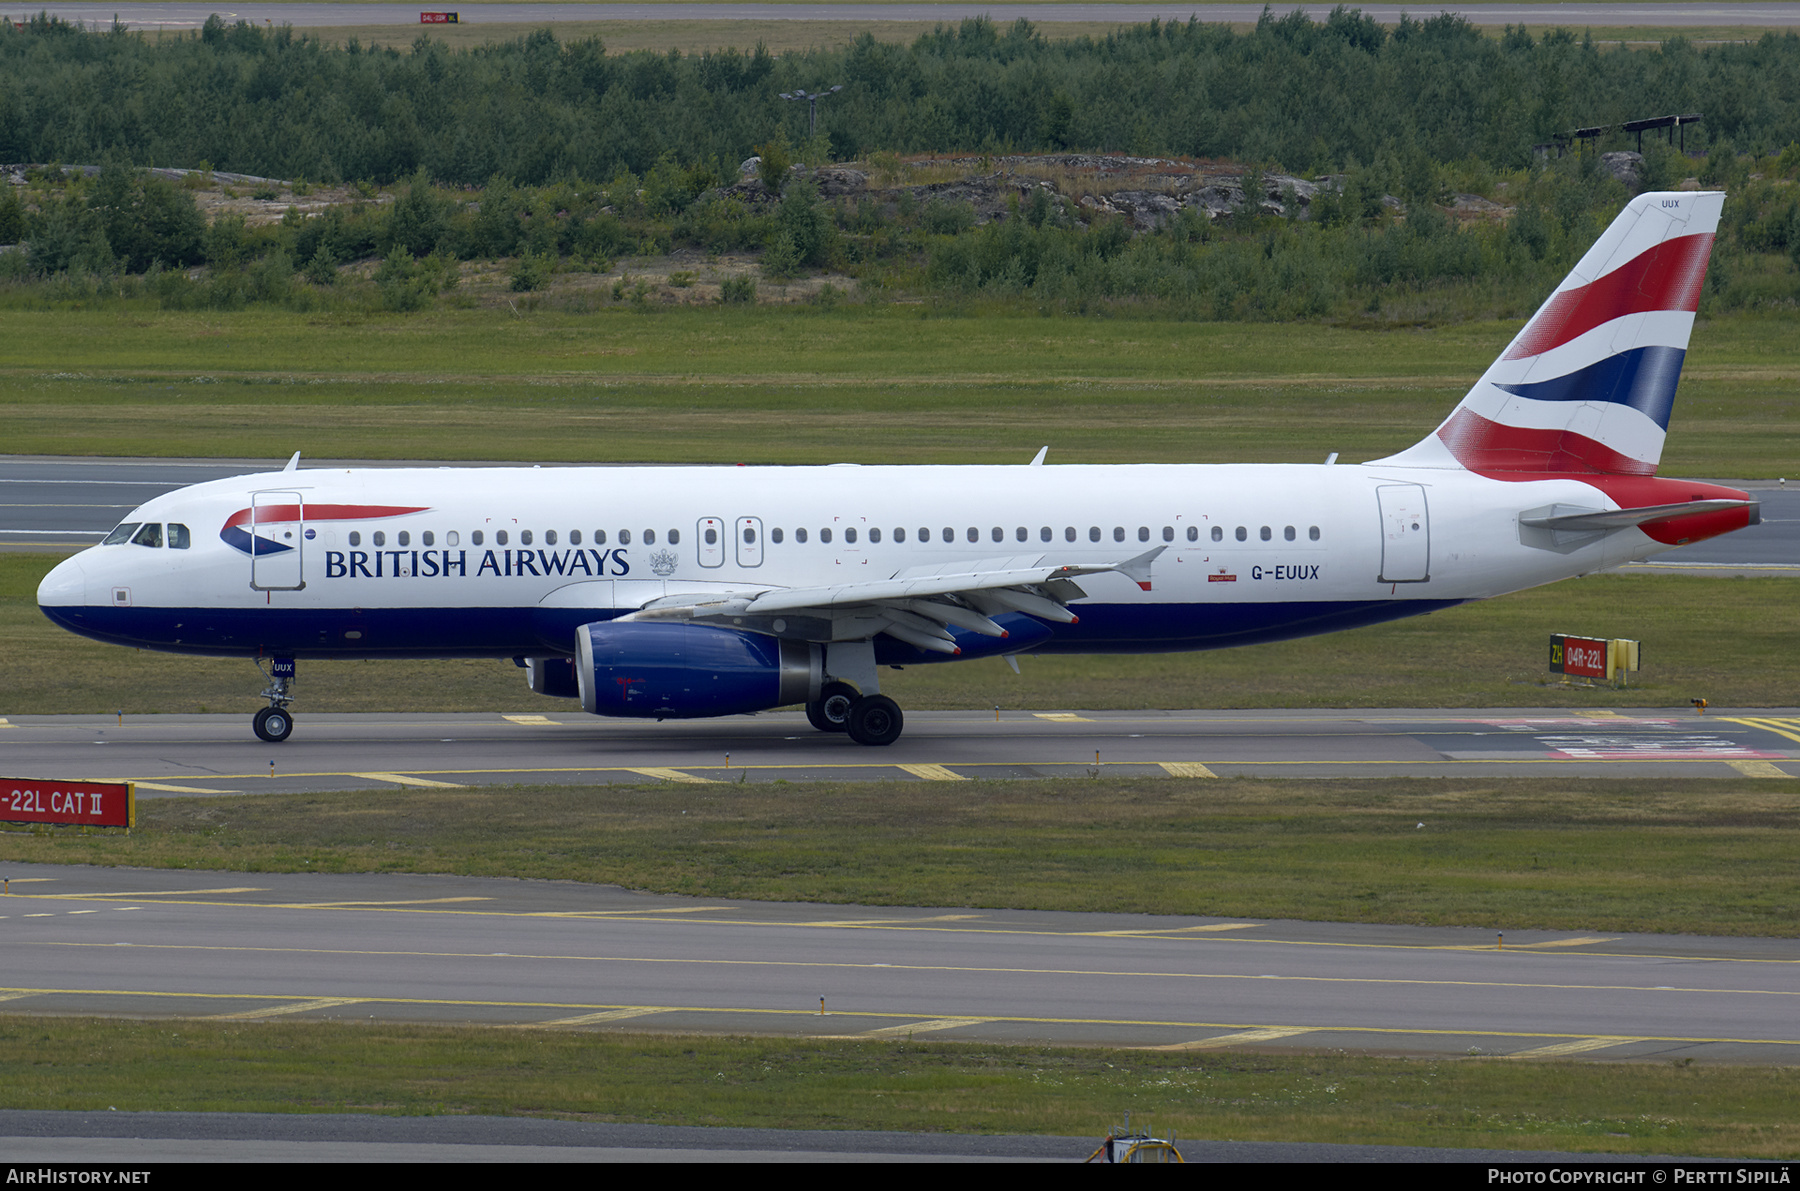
{"x": 64, "y": 504}
{"x": 558, "y": 955}
{"x": 302, "y": 15}
{"x": 181, "y": 755}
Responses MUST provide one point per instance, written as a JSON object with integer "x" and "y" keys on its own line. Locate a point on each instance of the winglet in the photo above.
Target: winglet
{"x": 1038, "y": 459}
{"x": 1138, "y": 568}
{"x": 294, "y": 463}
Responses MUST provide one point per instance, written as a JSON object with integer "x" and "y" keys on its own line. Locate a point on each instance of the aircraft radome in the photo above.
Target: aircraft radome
{"x": 709, "y": 591}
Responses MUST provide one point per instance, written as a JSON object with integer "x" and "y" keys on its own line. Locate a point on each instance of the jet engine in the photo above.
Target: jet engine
{"x": 663, "y": 670}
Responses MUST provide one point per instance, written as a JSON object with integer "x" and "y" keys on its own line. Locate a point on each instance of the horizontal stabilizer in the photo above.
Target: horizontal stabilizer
{"x": 1607, "y": 520}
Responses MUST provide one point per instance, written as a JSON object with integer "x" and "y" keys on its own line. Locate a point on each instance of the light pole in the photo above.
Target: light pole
{"x": 812, "y": 103}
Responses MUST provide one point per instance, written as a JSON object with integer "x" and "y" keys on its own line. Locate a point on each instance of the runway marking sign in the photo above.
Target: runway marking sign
{"x": 85, "y": 804}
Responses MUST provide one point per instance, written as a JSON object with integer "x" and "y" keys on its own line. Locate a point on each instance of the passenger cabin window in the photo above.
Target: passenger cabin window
{"x": 624, "y": 537}
{"x": 650, "y": 536}
{"x": 549, "y": 537}
{"x": 121, "y": 534}
{"x": 499, "y": 538}
{"x": 849, "y": 534}
{"x": 405, "y": 538}
{"x": 949, "y": 535}
{"x": 599, "y": 537}
{"x": 474, "y": 538}
{"x": 1313, "y": 533}
{"x": 429, "y": 538}
{"x": 178, "y": 536}
{"x": 1218, "y": 533}
{"x": 874, "y": 535}
{"x": 452, "y": 538}
{"x": 1044, "y": 534}
{"x": 825, "y": 535}
{"x": 1069, "y": 534}
{"x": 1118, "y": 533}
{"x": 1168, "y": 533}
{"x": 675, "y": 537}
{"x": 899, "y": 534}
{"x": 574, "y": 537}
{"x": 775, "y": 535}
{"x": 974, "y": 534}
{"x": 999, "y": 534}
{"x": 799, "y": 535}
{"x": 1243, "y": 535}
{"x": 1093, "y": 533}
{"x": 524, "y": 537}
{"x": 1266, "y": 535}
{"x": 1288, "y": 533}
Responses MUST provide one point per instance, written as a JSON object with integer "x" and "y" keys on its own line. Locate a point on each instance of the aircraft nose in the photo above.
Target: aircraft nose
{"x": 65, "y": 586}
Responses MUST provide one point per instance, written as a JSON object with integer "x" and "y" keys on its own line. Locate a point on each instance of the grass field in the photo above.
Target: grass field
{"x": 1724, "y": 640}
{"x": 1690, "y": 856}
{"x": 139, "y": 1066}
{"x": 869, "y": 384}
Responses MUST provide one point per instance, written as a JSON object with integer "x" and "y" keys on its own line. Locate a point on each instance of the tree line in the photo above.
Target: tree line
{"x": 1302, "y": 96}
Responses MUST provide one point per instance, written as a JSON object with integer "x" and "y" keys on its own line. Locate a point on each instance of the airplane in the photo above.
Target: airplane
{"x": 674, "y": 592}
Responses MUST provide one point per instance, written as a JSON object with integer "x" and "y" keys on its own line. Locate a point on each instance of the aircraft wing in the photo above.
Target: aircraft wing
{"x": 917, "y": 605}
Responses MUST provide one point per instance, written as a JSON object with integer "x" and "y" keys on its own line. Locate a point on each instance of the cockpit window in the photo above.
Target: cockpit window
{"x": 149, "y": 535}
{"x": 178, "y": 536}
{"x": 121, "y": 534}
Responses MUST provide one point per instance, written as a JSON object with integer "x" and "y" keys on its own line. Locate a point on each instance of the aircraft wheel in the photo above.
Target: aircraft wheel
{"x": 830, "y": 712}
{"x": 875, "y": 720}
{"x": 273, "y": 724}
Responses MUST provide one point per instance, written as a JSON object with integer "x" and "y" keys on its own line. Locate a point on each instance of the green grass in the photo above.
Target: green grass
{"x": 1703, "y": 857}
{"x": 1728, "y": 641}
{"x": 295, "y": 1067}
{"x": 862, "y": 384}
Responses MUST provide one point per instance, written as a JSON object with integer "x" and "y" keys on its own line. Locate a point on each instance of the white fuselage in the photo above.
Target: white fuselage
{"x": 507, "y": 561}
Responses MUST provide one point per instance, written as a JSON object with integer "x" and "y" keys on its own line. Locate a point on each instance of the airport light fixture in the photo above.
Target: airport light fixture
{"x": 812, "y": 103}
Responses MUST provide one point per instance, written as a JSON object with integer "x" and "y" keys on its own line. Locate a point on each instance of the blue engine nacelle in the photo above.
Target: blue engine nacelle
{"x": 672, "y": 670}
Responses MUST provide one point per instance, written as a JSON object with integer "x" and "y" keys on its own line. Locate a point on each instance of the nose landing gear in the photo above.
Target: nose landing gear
{"x": 275, "y": 723}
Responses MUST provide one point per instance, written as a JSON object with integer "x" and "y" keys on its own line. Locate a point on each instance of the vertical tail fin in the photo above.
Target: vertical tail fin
{"x": 1587, "y": 386}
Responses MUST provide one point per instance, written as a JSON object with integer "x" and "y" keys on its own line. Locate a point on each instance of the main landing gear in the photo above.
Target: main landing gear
{"x": 869, "y": 719}
{"x": 275, "y": 723}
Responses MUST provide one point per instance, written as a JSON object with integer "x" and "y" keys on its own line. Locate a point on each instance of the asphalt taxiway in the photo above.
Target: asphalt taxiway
{"x": 560, "y": 955}
{"x": 181, "y": 755}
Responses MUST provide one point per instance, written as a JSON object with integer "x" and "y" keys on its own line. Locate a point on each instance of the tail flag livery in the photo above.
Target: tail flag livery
{"x": 1587, "y": 386}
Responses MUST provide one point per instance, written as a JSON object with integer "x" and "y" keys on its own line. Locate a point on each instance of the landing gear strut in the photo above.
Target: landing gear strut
{"x": 275, "y": 723}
